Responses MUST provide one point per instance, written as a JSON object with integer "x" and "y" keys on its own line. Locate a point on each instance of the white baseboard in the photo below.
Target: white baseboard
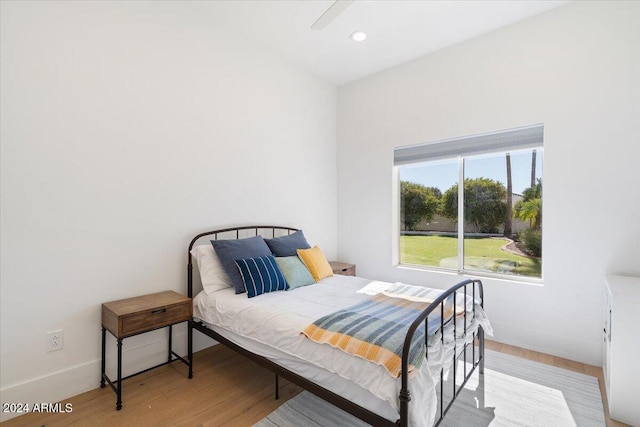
{"x": 568, "y": 348}
{"x": 63, "y": 384}
{"x": 52, "y": 388}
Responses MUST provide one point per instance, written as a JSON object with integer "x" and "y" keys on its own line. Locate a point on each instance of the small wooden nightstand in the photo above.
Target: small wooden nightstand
{"x": 343, "y": 268}
{"x": 133, "y": 316}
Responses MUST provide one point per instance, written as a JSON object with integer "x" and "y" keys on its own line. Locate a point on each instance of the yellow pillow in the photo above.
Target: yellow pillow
{"x": 316, "y": 263}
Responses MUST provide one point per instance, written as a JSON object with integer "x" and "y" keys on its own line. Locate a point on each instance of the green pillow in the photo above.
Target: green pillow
{"x": 294, "y": 271}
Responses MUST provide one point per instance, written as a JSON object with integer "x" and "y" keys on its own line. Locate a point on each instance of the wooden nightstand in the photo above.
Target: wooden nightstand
{"x": 343, "y": 268}
{"x": 133, "y": 316}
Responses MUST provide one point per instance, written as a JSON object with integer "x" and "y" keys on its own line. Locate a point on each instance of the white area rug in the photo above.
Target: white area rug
{"x": 516, "y": 392}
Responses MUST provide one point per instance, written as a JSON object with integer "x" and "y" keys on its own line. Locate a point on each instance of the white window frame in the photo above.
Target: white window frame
{"x": 501, "y": 142}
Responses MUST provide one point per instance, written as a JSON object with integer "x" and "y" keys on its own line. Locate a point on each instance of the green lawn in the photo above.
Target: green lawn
{"x": 481, "y": 254}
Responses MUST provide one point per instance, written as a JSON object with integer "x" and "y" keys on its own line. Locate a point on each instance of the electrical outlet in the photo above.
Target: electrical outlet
{"x": 55, "y": 340}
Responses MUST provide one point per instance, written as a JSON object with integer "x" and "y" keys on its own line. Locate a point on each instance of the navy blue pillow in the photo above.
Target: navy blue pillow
{"x": 261, "y": 275}
{"x": 230, "y": 250}
{"x": 288, "y": 245}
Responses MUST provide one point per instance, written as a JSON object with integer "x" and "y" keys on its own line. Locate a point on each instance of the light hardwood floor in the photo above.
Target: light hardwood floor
{"x": 226, "y": 390}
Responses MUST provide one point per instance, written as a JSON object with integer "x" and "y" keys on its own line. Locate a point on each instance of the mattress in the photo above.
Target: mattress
{"x": 270, "y": 325}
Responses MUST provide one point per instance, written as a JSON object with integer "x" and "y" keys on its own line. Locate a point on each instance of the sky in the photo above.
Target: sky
{"x": 444, "y": 174}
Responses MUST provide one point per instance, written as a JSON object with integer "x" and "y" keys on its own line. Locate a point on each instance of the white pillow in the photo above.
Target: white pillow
{"x": 212, "y": 273}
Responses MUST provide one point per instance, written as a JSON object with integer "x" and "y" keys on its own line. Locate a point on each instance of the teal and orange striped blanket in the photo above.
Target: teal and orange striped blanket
{"x": 376, "y": 328}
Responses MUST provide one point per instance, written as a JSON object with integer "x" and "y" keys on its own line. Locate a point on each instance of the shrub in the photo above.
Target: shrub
{"x": 485, "y": 204}
{"x": 532, "y": 240}
{"x": 418, "y": 203}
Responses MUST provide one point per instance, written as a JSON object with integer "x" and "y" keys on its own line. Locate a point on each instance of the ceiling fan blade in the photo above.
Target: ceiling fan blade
{"x": 331, "y": 13}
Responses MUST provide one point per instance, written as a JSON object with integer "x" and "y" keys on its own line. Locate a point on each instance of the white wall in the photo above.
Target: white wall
{"x": 576, "y": 70}
{"x": 127, "y": 128}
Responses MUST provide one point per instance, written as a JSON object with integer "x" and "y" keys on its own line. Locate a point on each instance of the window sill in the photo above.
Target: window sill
{"x": 475, "y": 274}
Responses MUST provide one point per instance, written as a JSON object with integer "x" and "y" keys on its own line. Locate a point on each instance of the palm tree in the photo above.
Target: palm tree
{"x": 507, "y": 221}
{"x": 533, "y": 168}
{"x": 530, "y": 207}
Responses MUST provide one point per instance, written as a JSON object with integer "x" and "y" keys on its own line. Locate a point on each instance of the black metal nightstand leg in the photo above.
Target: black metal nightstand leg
{"x": 190, "y": 346}
{"x": 170, "y": 341}
{"x": 119, "y": 389}
{"x": 104, "y": 339}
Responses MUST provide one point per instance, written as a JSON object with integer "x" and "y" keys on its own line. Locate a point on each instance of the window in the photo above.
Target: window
{"x": 473, "y": 204}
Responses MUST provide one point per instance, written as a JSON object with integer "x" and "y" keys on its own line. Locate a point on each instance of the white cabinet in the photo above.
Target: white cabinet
{"x": 622, "y": 348}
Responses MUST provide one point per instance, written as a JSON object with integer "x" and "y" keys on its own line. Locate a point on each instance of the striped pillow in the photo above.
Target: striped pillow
{"x": 316, "y": 263}
{"x": 261, "y": 275}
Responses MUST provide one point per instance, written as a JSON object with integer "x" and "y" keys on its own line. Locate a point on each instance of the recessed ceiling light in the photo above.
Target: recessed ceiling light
{"x": 358, "y": 36}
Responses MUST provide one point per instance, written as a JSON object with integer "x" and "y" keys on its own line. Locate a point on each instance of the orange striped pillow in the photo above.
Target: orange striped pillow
{"x": 316, "y": 263}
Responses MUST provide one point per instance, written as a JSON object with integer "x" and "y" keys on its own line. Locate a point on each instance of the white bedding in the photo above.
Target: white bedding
{"x": 270, "y": 325}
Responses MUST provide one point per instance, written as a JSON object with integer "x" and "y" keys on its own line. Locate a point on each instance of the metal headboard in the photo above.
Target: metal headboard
{"x": 215, "y": 234}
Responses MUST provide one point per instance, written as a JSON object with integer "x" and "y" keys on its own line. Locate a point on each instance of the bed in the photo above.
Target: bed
{"x": 267, "y": 329}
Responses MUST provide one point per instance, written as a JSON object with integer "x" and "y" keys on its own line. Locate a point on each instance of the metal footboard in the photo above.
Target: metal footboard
{"x": 477, "y": 359}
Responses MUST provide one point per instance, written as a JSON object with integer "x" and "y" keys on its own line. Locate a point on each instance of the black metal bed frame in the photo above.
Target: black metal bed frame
{"x": 358, "y": 411}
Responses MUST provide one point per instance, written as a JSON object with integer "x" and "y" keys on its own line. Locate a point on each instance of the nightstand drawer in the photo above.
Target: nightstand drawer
{"x": 343, "y": 268}
{"x": 132, "y": 316}
{"x": 156, "y": 318}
